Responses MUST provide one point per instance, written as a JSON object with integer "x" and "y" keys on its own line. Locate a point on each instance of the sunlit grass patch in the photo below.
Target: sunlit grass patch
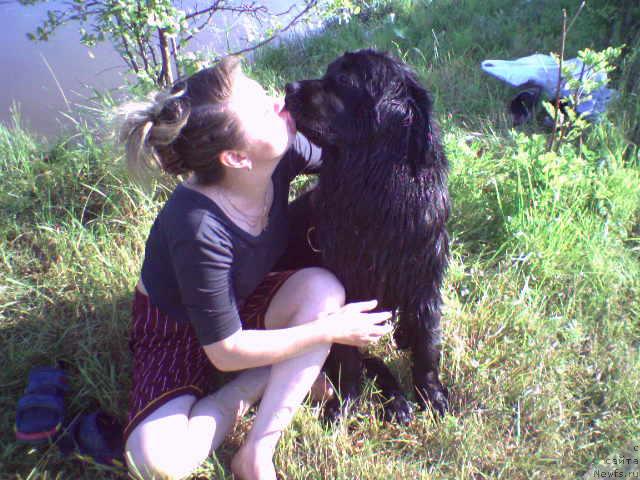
{"x": 541, "y": 331}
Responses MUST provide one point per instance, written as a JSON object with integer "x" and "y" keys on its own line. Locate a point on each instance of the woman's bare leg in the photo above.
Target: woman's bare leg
{"x": 177, "y": 437}
{"x": 213, "y": 417}
{"x": 301, "y": 298}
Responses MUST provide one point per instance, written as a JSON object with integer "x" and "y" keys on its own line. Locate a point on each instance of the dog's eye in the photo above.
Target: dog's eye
{"x": 343, "y": 79}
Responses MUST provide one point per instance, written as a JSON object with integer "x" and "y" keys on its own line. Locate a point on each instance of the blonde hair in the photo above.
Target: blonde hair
{"x": 184, "y": 129}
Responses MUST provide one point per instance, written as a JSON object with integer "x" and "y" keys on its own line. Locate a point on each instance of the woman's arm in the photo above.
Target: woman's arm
{"x": 255, "y": 348}
{"x": 202, "y": 262}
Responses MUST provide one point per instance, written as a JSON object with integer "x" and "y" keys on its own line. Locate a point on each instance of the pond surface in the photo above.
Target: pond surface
{"x": 43, "y": 79}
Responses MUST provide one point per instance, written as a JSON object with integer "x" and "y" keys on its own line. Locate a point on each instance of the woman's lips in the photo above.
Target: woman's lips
{"x": 291, "y": 123}
{"x": 284, "y": 113}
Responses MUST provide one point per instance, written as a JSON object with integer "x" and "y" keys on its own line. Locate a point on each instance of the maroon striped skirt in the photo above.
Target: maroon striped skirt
{"x": 168, "y": 360}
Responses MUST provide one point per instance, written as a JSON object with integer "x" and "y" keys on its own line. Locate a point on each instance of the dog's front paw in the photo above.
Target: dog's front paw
{"x": 434, "y": 394}
{"x": 398, "y": 409}
{"x": 337, "y": 408}
{"x": 332, "y": 411}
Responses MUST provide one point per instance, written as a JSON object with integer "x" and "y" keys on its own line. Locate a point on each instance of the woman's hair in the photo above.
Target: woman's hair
{"x": 184, "y": 129}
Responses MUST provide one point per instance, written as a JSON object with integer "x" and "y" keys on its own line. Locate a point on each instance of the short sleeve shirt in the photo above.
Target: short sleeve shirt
{"x": 199, "y": 266}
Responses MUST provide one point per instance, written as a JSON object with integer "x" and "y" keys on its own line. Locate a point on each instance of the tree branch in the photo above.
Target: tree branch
{"x": 295, "y": 19}
{"x": 565, "y": 30}
{"x": 152, "y": 50}
{"x": 288, "y": 10}
{"x": 125, "y": 45}
{"x": 199, "y": 28}
{"x": 166, "y": 73}
{"x": 576, "y": 15}
{"x": 209, "y": 9}
{"x": 559, "y": 84}
{"x": 142, "y": 53}
{"x": 174, "y": 55}
{"x": 251, "y": 9}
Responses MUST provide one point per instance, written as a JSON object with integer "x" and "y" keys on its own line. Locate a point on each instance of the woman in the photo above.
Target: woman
{"x": 206, "y": 297}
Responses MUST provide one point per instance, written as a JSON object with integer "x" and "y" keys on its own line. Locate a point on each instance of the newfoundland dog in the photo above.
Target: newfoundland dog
{"x": 377, "y": 217}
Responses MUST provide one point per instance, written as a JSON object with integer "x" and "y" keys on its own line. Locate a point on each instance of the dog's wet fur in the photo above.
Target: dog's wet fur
{"x": 379, "y": 211}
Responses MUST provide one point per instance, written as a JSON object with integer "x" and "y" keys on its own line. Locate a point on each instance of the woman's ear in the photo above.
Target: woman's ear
{"x": 235, "y": 159}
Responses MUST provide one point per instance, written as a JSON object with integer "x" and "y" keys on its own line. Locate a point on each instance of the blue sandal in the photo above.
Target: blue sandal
{"x": 40, "y": 411}
{"x": 94, "y": 437}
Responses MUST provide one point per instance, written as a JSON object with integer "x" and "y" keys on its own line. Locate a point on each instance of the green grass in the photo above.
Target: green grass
{"x": 541, "y": 332}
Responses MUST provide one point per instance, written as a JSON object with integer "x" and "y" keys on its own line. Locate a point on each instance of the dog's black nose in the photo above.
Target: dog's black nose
{"x": 291, "y": 88}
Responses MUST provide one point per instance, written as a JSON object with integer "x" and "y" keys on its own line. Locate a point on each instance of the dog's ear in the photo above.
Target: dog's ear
{"x": 421, "y": 135}
{"x": 404, "y": 114}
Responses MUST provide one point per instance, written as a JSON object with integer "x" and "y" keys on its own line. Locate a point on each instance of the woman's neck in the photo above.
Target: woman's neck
{"x": 246, "y": 189}
{"x": 248, "y": 186}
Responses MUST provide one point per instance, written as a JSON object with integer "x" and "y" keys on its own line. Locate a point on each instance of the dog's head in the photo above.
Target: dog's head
{"x": 364, "y": 97}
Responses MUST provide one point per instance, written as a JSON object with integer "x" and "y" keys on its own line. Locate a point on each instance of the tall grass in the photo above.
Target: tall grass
{"x": 541, "y": 319}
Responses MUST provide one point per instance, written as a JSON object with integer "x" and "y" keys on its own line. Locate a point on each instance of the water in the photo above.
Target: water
{"x": 47, "y": 79}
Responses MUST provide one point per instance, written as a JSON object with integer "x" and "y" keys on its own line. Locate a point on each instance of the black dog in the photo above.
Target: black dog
{"x": 379, "y": 212}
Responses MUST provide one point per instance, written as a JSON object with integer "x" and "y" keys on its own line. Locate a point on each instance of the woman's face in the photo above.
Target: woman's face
{"x": 268, "y": 127}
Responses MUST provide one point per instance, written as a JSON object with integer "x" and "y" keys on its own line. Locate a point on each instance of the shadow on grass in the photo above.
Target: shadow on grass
{"x": 90, "y": 341}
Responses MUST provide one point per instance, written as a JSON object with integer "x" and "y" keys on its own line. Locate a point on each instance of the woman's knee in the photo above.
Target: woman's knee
{"x": 149, "y": 459}
{"x": 305, "y": 294}
{"x": 158, "y": 448}
{"x": 318, "y": 291}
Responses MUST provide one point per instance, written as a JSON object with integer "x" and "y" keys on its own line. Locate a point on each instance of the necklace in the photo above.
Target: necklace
{"x": 253, "y": 221}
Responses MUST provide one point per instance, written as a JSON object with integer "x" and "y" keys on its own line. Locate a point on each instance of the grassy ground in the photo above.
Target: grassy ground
{"x": 541, "y": 332}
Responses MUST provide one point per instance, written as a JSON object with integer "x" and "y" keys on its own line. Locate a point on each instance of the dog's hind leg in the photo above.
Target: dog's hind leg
{"x": 426, "y": 363}
{"x": 344, "y": 367}
{"x": 395, "y": 406}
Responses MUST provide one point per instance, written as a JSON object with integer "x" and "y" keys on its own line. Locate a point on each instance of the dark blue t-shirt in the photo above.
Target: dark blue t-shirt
{"x": 199, "y": 266}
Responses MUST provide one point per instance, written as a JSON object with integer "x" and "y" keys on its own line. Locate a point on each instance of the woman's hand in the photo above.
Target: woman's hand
{"x": 350, "y": 325}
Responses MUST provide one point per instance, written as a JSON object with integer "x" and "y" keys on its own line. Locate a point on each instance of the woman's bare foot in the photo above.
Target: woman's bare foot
{"x": 252, "y": 463}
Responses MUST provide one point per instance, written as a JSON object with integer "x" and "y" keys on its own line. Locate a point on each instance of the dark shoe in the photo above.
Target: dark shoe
{"x": 94, "y": 437}
{"x": 40, "y": 411}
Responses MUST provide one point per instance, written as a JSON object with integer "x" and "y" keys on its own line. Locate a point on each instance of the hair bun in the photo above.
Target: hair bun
{"x": 172, "y": 111}
{"x": 173, "y": 107}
